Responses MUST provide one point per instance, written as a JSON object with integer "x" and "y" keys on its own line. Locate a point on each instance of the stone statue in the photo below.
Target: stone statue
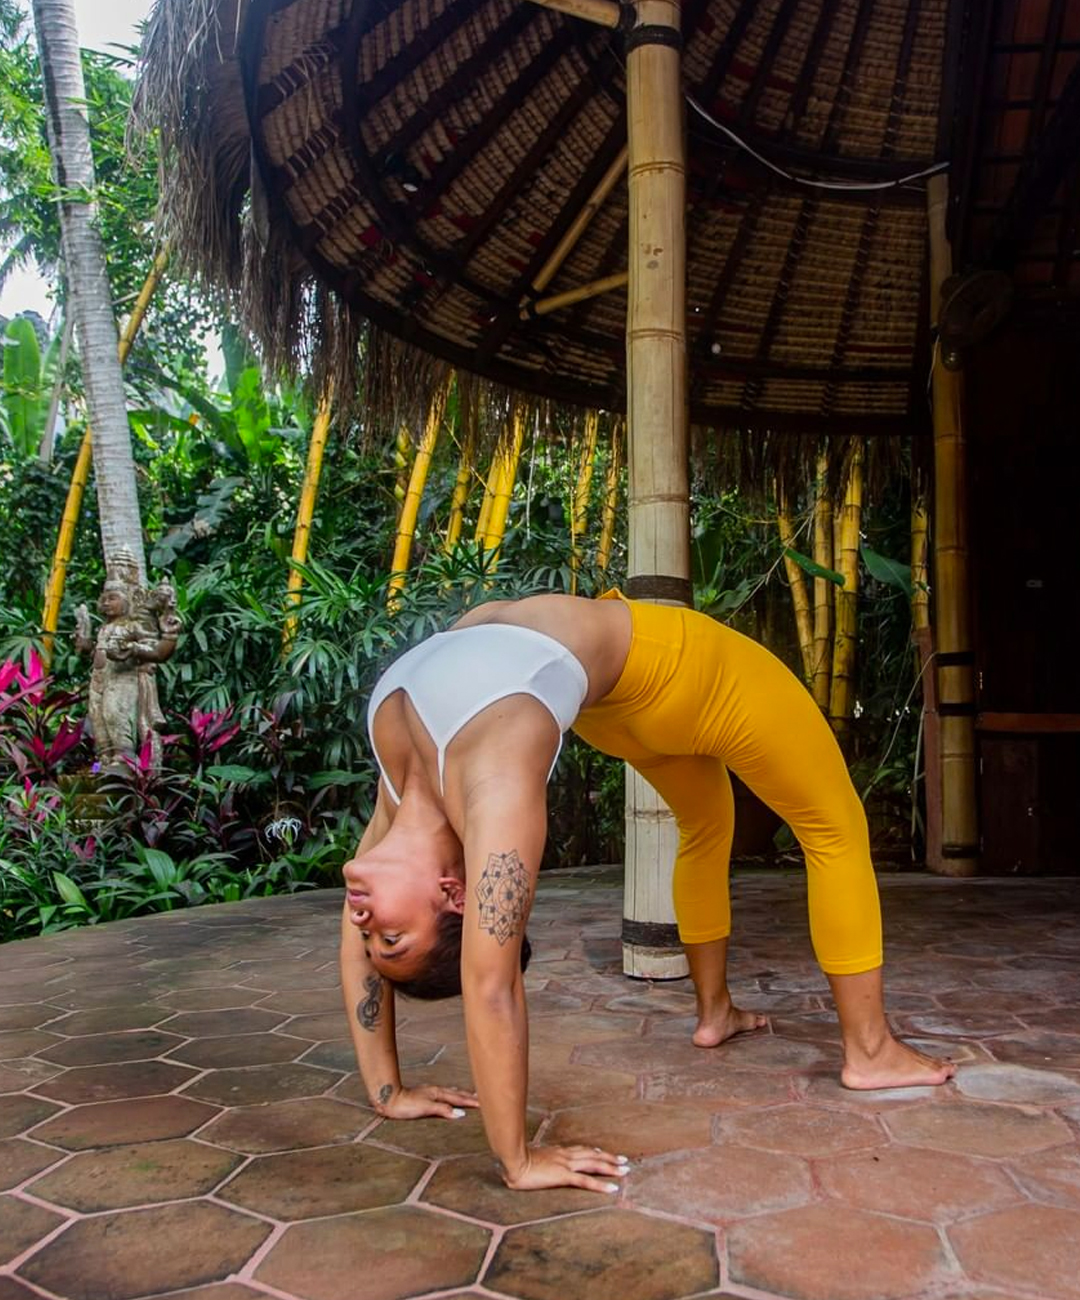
{"x": 139, "y": 631}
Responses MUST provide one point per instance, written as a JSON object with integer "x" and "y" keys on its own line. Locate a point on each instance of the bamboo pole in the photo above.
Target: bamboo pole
{"x": 611, "y": 498}
{"x": 54, "y": 589}
{"x": 593, "y": 204}
{"x": 920, "y": 542}
{"x": 490, "y": 484}
{"x": 304, "y": 515}
{"x": 403, "y": 456}
{"x": 579, "y": 512}
{"x": 415, "y": 491}
{"x": 958, "y": 852}
{"x": 842, "y": 691}
{"x": 800, "y": 601}
{"x": 592, "y": 290}
{"x": 467, "y": 416}
{"x": 924, "y": 650}
{"x": 824, "y": 591}
{"x": 659, "y": 489}
{"x": 508, "y": 457}
{"x": 606, "y": 13}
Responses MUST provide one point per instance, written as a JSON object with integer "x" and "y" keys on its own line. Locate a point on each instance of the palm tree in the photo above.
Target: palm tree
{"x": 88, "y": 283}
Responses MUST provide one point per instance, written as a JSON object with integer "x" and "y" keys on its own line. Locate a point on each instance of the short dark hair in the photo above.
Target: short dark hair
{"x": 441, "y": 975}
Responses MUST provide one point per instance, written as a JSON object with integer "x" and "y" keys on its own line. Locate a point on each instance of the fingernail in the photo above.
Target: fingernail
{"x": 611, "y": 1187}
{"x": 457, "y": 1113}
{"x": 623, "y": 1160}
{"x": 621, "y": 1173}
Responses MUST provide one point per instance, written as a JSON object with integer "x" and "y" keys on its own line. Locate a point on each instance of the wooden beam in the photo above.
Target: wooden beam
{"x": 1031, "y": 724}
{"x": 571, "y": 296}
{"x": 578, "y": 226}
{"x": 606, "y": 13}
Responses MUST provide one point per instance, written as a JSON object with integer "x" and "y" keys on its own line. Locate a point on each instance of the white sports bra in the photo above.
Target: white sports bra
{"x": 452, "y": 676}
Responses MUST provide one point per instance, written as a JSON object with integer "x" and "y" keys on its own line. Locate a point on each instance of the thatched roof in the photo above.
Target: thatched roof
{"x": 413, "y": 163}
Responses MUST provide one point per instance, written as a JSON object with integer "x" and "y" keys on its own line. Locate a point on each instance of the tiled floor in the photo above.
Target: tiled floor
{"x": 178, "y": 1115}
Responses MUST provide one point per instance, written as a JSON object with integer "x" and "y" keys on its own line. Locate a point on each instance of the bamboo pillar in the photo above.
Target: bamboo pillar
{"x": 403, "y": 457}
{"x": 80, "y": 475}
{"x": 924, "y": 649}
{"x": 579, "y": 511}
{"x": 958, "y": 853}
{"x": 611, "y": 498}
{"x": 414, "y": 492}
{"x": 845, "y": 641}
{"x": 304, "y": 515}
{"x": 659, "y": 491}
{"x": 467, "y": 415}
{"x": 824, "y": 591}
{"x": 507, "y": 458}
{"x": 797, "y": 583}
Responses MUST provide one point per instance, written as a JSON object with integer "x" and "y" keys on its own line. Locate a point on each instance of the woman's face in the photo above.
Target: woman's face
{"x": 396, "y": 911}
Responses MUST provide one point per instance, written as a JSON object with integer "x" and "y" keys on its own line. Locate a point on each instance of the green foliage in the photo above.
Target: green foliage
{"x": 26, "y": 386}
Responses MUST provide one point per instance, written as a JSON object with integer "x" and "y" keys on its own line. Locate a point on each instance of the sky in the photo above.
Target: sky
{"x": 101, "y": 23}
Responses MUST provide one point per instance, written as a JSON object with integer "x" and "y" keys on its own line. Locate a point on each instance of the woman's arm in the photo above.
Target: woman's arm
{"x": 369, "y": 1007}
{"x": 506, "y": 824}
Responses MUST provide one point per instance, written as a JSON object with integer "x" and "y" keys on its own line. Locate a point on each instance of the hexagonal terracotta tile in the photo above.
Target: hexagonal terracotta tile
{"x": 211, "y": 999}
{"x": 715, "y": 1088}
{"x": 915, "y": 1183}
{"x": 260, "y": 1083}
{"x": 20, "y": 1159}
{"x": 323, "y": 1181}
{"x": 12, "y": 1289}
{"x": 101, "y": 1049}
{"x": 19, "y": 1113}
{"x": 801, "y": 1130}
{"x": 795, "y": 1253}
{"x": 24, "y": 1042}
{"x": 471, "y": 1185}
{"x": 1035, "y": 1248}
{"x": 136, "y": 1174}
{"x": 978, "y": 1128}
{"x": 22, "y": 1224}
{"x": 213, "y": 1024}
{"x": 243, "y": 1049}
{"x": 108, "y": 1020}
{"x": 218, "y": 1291}
{"x": 287, "y": 1125}
{"x": 305, "y": 1002}
{"x": 28, "y": 1015}
{"x": 1052, "y": 1175}
{"x": 112, "y": 1123}
{"x": 141, "y": 1252}
{"x": 719, "y": 1183}
{"x": 417, "y": 1251}
{"x": 111, "y": 1082}
{"x": 1018, "y": 1083}
{"x": 633, "y": 1129}
{"x": 25, "y": 1072}
{"x": 555, "y": 1087}
{"x": 609, "y": 1255}
{"x": 1038, "y": 1047}
{"x": 438, "y": 1138}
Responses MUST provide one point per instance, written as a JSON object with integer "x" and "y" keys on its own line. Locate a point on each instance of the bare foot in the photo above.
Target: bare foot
{"x": 895, "y": 1066}
{"x": 718, "y": 1026}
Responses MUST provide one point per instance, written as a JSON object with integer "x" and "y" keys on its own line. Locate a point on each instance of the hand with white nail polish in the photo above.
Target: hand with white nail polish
{"x": 427, "y": 1102}
{"x": 577, "y": 1166}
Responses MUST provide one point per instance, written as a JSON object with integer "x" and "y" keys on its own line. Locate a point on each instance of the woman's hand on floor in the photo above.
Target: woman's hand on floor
{"x": 427, "y": 1101}
{"x": 578, "y": 1166}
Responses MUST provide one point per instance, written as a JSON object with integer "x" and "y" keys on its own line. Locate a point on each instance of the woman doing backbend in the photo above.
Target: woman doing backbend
{"x": 466, "y": 728}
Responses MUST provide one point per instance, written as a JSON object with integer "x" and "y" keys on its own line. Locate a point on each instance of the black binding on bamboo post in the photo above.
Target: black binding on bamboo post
{"x": 660, "y": 586}
{"x": 653, "y": 34}
{"x": 650, "y": 934}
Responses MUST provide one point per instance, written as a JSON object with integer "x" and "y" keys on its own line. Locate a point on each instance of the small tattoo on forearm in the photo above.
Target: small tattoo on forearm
{"x": 385, "y": 1093}
{"x": 368, "y": 1011}
{"x": 503, "y": 894}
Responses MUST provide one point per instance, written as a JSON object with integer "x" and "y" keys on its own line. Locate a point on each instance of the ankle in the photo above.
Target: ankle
{"x": 867, "y": 1044}
{"x": 713, "y": 1005}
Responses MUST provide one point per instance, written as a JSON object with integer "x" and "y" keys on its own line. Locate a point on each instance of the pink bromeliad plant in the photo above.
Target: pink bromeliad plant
{"x": 36, "y": 731}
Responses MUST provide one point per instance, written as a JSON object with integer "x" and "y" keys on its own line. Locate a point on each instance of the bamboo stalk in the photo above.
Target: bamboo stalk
{"x": 467, "y": 415}
{"x": 824, "y": 591}
{"x": 403, "y": 456}
{"x": 842, "y": 693}
{"x": 579, "y": 513}
{"x": 415, "y": 491}
{"x": 804, "y": 623}
{"x": 920, "y": 542}
{"x": 604, "y": 12}
{"x": 611, "y": 498}
{"x": 54, "y": 588}
{"x": 490, "y": 484}
{"x": 592, "y": 205}
{"x": 659, "y": 488}
{"x": 958, "y": 852}
{"x": 508, "y": 457}
{"x": 304, "y": 515}
{"x": 592, "y": 290}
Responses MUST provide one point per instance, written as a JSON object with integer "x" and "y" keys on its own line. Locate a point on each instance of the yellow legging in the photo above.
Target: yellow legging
{"x": 696, "y": 698}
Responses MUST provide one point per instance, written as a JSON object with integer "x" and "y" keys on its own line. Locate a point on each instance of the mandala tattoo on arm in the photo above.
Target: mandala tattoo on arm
{"x": 368, "y": 1011}
{"x": 503, "y": 893}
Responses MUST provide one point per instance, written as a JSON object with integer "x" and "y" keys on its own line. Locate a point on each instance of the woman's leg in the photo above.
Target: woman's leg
{"x": 697, "y": 789}
{"x": 873, "y": 1058}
